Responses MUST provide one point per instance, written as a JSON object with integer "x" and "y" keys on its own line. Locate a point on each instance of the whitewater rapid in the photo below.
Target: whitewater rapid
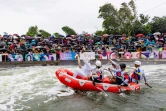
{"x": 27, "y": 88}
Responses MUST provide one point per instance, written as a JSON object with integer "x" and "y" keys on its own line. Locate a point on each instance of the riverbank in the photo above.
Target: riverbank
{"x": 73, "y": 62}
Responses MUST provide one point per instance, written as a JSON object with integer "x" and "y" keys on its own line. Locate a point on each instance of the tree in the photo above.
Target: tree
{"x": 68, "y": 30}
{"x": 124, "y": 20}
{"x": 158, "y": 24}
{"x": 44, "y": 33}
{"x": 32, "y": 31}
{"x": 56, "y": 34}
{"x": 99, "y": 33}
{"x": 111, "y": 19}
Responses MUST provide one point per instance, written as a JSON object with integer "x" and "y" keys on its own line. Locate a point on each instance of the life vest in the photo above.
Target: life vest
{"x": 136, "y": 75}
{"x": 119, "y": 74}
{"x": 126, "y": 75}
{"x": 99, "y": 73}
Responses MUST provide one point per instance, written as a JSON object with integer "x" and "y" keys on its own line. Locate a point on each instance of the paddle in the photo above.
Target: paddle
{"x": 148, "y": 85}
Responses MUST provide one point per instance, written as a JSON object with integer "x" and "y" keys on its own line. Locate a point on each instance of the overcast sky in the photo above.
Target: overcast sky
{"x": 16, "y": 16}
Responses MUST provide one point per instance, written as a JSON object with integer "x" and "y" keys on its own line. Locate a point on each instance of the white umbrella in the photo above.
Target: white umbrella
{"x": 15, "y": 37}
{"x": 157, "y": 33}
{"x": 38, "y": 47}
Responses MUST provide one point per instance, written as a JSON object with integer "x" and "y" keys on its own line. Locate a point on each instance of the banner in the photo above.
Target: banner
{"x": 15, "y": 57}
{"x": 135, "y": 55}
{"x": 0, "y": 57}
{"x": 164, "y": 55}
{"x": 54, "y": 56}
{"x": 67, "y": 56}
{"x": 105, "y": 55}
{"x": 127, "y": 55}
{"x": 112, "y": 55}
{"x": 90, "y": 55}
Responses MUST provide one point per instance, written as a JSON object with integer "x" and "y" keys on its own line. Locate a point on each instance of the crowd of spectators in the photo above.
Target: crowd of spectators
{"x": 16, "y": 44}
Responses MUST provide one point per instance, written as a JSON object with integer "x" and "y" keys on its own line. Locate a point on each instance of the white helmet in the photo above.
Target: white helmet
{"x": 137, "y": 63}
{"x": 98, "y": 63}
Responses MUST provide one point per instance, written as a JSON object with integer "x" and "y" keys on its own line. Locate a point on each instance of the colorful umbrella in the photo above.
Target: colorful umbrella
{"x": 139, "y": 35}
{"x": 105, "y": 35}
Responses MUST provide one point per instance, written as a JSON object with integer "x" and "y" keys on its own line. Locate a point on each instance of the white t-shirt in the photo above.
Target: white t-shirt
{"x": 87, "y": 66}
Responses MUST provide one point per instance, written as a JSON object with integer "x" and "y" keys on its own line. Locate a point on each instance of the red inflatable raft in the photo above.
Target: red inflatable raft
{"x": 65, "y": 77}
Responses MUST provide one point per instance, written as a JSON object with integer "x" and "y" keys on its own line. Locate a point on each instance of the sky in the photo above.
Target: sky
{"x": 16, "y": 16}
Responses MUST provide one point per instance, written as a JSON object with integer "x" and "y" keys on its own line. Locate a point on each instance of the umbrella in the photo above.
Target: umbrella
{"x": 97, "y": 43}
{"x": 39, "y": 35}
{"x": 105, "y": 35}
{"x": 1, "y": 37}
{"x": 139, "y": 35}
{"x": 150, "y": 35}
{"x": 16, "y": 35}
{"x": 20, "y": 49}
{"x": 61, "y": 35}
{"x": 28, "y": 37}
{"x": 157, "y": 33}
{"x": 38, "y": 47}
{"x": 29, "y": 49}
{"x": 3, "y": 50}
{"x": 45, "y": 40}
{"x": 5, "y": 36}
{"x": 88, "y": 35}
{"x": 23, "y": 35}
{"x": 68, "y": 36}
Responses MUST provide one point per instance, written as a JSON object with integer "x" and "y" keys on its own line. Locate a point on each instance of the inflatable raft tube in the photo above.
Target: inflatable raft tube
{"x": 65, "y": 77}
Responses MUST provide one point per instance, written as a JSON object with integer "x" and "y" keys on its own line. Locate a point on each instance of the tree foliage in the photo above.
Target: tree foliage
{"x": 124, "y": 20}
{"x": 99, "y": 33}
{"x": 56, "y": 34}
{"x": 158, "y": 24}
{"x": 68, "y": 30}
{"x": 44, "y": 33}
{"x": 32, "y": 31}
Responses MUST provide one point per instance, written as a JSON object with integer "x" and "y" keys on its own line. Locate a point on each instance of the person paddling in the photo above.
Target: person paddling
{"x": 138, "y": 73}
{"x": 97, "y": 73}
{"x": 115, "y": 68}
{"x": 121, "y": 76}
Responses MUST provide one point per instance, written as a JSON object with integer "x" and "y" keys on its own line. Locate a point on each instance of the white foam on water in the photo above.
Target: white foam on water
{"x": 24, "y": 84}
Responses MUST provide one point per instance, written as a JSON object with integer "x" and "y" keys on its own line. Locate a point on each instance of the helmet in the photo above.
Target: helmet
{"x": 122, "y": 65}
{"x": 98, "y": 63}
{"x": 137, "y": 63}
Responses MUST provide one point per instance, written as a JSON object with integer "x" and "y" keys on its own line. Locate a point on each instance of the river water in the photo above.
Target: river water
{"x": 37, "y": 89}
